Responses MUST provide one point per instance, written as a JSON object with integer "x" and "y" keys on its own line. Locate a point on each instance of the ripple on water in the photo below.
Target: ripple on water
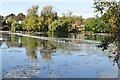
{"x": 22, "y": 72}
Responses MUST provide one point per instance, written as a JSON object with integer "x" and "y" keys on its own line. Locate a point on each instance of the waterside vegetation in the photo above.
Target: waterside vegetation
{"x": 49, "y": 21}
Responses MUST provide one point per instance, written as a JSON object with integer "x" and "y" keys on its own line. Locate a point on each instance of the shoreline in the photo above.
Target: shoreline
{"x": 5, "y": 31}
{"x": 84, "y": 32}
{"x": 60, "y": 40}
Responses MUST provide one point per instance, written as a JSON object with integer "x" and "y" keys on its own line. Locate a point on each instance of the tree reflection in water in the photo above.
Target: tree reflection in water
{"x": 114, "y": 39}
{"x": 47, "y": 49}
{"x": 31, "y": 47}
{"x": 116, "y": 51}
{"x": 20, "y": 42}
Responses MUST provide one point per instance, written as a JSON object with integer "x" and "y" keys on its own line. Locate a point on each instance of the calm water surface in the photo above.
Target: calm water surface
{"x": 78, "y": 57}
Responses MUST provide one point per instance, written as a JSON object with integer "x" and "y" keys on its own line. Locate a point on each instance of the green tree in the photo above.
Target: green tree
{"x": 90, "y": 24}
{"x": 47, "y": 10}
{"x": 96, "y": 25}
{"x": 32, "y": 21}
{"x": 48, "y": 16}
{"x": 110, "y": 12}
{"x": 10, "y": 21}
{"x": 60, "y": 26}
{"x": 33, "y": 11}
{"x": 16, "y": 26}
{"x": 20, "y": 14}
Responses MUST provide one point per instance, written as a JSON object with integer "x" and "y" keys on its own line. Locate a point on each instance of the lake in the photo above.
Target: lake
{"x": 71, "y": 56}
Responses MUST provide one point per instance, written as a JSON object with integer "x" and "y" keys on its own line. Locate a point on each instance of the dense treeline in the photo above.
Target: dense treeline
{"x": 110, "y": 15}
{"x": 49, "y": 21}
{"x": 96, "y": 25}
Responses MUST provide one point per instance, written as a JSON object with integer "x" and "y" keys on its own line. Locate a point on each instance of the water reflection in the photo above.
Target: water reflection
{"x": 4, "y": 45}
{"x": 31, "y": 45}
{"x": 63, "y": 59}
{"x": 47, "y": 49}
{"x": 20, "y": 42}
{"x": 116, "y": 58}
{"x": 115, "y": 51}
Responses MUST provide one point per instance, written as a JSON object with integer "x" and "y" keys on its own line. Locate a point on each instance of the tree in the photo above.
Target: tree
{"x": 20, "y": 14}
{"x": 96, "y": 25}
{"x": 110, "y": 12}
{"x": 48, "y": 16}
{"x": 47, "y": 10}
{"x": 32, "y": 21}
{"x": 78, "y": 20}
{"x": 13, "y": 28}
{"x": 90, "y": 24}
{"x": 63, "y": 14}
{"x": 33, "y": 11}
{"x": 10, "y": 21}
{"x": 70, "y": 13}
{"x": 10, "y": 15}
{"x": 60, "y": 26}
{"x": 16, "y": 26}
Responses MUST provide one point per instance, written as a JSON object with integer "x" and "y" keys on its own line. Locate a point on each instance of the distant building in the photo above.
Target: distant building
{"x": 7, "y": 25}
{"x": 19, "y": 18}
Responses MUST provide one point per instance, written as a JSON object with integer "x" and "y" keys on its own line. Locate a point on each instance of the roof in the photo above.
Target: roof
{"x": 18, "y": 18}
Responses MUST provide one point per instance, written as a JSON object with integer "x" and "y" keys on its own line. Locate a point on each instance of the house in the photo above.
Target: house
{"x": 79, "y": 24}
{"x": 19, "y": 18}
{"x": 7, "y": 25}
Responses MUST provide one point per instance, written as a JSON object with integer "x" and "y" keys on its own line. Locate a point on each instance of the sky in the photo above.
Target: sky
{"x": 78, "y": 7}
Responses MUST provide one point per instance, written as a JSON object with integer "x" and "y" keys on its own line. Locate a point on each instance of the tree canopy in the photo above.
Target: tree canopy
{"x": 110, "y": 13}
{"x": 60, "y": 26}
{"x": 47, "y": 10}
{"x": 20, "y": 14}
{"x": 33, "y": 11}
